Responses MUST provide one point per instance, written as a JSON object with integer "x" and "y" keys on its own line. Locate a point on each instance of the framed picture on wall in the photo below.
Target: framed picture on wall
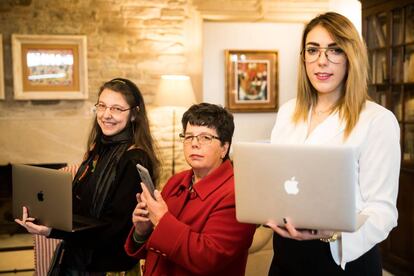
{"x": 2, "y": 93}
{"x": 49, "y": 67}
{"x": 251, "y": 80}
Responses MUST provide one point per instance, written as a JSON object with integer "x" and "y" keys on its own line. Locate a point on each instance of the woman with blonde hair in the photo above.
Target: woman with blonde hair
{"x": 333, "y": 108}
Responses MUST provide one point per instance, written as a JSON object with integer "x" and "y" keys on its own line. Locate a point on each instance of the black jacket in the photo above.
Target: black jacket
{"x": 105, "y": 246}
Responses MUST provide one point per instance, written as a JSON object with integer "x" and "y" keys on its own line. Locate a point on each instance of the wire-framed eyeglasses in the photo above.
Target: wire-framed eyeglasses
{"x": 334, "y": 54}
{"x": 115, "y": 110}
{"x": 202, "y": 139}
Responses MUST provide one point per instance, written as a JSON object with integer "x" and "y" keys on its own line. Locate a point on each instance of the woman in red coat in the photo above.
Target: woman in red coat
{"x": 190, "y": 228}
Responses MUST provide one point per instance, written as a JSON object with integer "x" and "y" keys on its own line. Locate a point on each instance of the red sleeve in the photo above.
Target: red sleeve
{"x": 202, "y": 253}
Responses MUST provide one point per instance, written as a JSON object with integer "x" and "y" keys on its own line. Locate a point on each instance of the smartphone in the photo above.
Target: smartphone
{"x": 146, "y": 179}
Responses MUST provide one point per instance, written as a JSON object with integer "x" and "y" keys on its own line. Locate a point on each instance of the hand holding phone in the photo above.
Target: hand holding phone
{"x": 146, "y": 179}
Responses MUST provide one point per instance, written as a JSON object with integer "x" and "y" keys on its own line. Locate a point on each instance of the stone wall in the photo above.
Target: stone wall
{"x": 135, "y": 39}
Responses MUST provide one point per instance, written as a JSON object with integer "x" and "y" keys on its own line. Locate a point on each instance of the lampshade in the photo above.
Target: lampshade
{"x": 175, "y": 90}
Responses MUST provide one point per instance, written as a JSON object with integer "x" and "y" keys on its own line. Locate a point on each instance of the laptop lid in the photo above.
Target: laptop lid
{"x": 313, "y": 186}
{"x": 47, "y": 193}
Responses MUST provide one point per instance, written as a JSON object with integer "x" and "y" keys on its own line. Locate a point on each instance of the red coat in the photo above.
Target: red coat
{"x": 199, "y": 235}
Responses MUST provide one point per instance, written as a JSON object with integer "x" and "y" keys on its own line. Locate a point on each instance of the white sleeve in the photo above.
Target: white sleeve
{"x": 379, "y": 168}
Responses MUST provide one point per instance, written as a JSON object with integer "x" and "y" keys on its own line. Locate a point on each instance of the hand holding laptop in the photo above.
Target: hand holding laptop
{"x": 289, "y": 231}
{"x": 27, "y": 222}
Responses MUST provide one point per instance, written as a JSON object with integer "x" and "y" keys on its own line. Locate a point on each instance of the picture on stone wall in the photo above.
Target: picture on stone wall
{"x": 49, "y": 67}
{"x": 2, "y": 93}
{"x": 251, "y": 80}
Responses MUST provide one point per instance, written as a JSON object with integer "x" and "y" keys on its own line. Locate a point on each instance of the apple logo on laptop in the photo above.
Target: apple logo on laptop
{"x": 40, "y": 196}
{"x": 291, "y": 186}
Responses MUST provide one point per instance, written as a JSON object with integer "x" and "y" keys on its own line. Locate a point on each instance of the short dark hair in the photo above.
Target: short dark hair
{"x": 212, "y": 116}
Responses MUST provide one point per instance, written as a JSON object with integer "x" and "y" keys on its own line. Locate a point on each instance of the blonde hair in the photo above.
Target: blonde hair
{"x": 354, "y": 94}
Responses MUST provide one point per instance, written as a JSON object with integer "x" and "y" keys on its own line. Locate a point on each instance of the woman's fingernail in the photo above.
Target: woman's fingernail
{"x": 284, "y": 220}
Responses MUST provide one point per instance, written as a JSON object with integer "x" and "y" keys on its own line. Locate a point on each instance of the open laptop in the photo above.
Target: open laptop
{"x": 47, "y": 193}
{"x": 313, "y": 186}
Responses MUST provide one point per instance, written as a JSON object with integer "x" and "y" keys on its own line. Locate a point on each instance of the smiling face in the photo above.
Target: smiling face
{"x": 109, "y": 122}
{"x": 326, "y": 77}
{"x": 203, "y": 158}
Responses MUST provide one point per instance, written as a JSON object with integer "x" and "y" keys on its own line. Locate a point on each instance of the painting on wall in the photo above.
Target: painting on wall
{"x": 251, "y": 80}
{"x": 49, "y": 67}
{"x": 2, "y": 93}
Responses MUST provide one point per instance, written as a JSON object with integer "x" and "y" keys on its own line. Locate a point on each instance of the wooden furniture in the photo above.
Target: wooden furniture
{"x": 388, "y": 29}
{"x": 16, "y": 254}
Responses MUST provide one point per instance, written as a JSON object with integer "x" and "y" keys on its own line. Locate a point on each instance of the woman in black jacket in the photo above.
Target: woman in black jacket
{"x": 105, "y": 184}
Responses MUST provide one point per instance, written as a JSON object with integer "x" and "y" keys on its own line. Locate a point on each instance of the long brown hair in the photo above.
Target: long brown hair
{"x": 138, "y": 119}
{"x": 354, "y": 96}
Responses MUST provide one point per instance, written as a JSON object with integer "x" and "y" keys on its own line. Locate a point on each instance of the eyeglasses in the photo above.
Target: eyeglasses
{"x": 202, "y": 139}
{"x": 115, "y": 110}
{"x": 334, "y": 54}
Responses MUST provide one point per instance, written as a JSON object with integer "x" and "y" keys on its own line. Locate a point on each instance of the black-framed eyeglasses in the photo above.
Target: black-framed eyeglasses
{"x": 334, "y": 54}
{"x": 115, "y": 110}
{"x": 202, "y": 139}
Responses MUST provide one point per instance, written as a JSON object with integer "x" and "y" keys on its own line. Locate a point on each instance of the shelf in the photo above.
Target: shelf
{"x": 378, "y": 49}
{"x": 388, "y": 29}
{"x": 16, "y": 242}
{"x": 398, "y": 45}
{"x": 384, "y": 86}
{"x": 408, "y": 166}
{"x": 16, "y": 254}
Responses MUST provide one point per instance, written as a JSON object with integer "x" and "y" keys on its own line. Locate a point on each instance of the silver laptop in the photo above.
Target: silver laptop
{"x": 47, "y": 193}
{"x": 313, "y": 186}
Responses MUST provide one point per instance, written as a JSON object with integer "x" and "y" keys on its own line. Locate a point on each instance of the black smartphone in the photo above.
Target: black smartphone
{"x": 146, "y": 179}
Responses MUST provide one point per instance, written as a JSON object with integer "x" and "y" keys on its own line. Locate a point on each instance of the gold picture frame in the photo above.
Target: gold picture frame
{"x": 2, "y": 93}
{"x": 49, "y": 67}
{"x": 251, "y": 80}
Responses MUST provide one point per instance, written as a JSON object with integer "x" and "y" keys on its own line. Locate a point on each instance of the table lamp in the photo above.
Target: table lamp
{"x": 174, "y": 91}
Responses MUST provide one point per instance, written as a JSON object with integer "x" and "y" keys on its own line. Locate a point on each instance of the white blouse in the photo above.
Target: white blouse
{"x": 376, "y": 138}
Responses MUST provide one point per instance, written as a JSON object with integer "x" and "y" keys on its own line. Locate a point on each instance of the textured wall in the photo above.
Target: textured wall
{"x": 136, "y": 39}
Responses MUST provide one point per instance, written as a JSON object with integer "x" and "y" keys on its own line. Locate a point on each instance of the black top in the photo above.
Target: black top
{"x": 314, "y": 258}
{"x": 102, "y": 249}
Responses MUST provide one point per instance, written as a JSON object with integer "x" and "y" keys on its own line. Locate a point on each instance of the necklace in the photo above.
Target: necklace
{"x": 321, "y": 112}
